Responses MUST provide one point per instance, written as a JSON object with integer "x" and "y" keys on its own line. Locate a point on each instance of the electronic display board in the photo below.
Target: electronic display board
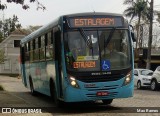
{"x": 96, "y": 21}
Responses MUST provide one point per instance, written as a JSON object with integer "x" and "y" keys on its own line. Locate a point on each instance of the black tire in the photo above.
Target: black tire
{"x": 139, "y": 85}
{"x": 33, "y": 92}
{"x": 107, "y": 102}
{"x": 53, "y": 93}
{"x": 153, "y": 85}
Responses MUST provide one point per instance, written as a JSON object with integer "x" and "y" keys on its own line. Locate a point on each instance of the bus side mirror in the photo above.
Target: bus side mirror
{"x": 132, "y": 33}
{"x": 133, "y": 37}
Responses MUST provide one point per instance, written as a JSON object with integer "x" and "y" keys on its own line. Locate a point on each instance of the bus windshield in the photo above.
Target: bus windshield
{"x": 97, "y": 50}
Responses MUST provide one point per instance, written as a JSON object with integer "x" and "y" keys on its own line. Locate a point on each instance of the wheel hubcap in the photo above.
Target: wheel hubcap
{"x": 139, "y": 84}
{"x": 153, "y": 85}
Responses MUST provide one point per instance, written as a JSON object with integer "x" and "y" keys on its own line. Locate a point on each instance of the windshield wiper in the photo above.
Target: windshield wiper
{"x": 86, "y": 39}
{"x": 109, "y": 37}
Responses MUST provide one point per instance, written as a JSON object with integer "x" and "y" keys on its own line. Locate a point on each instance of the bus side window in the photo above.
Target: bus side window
{"x": 57, "y": 46}
{"x": 49, "y": 46}
{"x": 42, "y": 49}
{"x": 31, "y": 51}
{"x": 53, "y": 43}
{"x": 33, "y": 44}
{"x": 36, "y": 50}
{"x": 26, "y": 50}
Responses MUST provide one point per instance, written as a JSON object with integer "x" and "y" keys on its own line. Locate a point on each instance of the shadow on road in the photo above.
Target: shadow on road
{"x": 72, "y": 108}
{"x": 87, "y": 107}
{"x": 45, "y": 103}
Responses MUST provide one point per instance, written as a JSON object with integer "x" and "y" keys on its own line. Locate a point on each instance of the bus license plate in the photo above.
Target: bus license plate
{"x": 102, "y": 93}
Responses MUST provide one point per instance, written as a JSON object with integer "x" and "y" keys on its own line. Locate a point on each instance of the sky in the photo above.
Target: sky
{"x": 55, "y": 8}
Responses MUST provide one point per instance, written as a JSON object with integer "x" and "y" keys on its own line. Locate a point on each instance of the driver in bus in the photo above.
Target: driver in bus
{"x": 109, "y": 51}
{"x": 115, "y": 57}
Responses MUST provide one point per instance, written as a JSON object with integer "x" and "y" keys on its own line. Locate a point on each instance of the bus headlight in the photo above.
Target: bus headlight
{"x": 73, "y": 82}
{"x": 127, "y": 79}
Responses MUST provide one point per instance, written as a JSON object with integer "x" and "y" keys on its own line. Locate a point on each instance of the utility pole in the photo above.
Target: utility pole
{"x": 148, "y": 66}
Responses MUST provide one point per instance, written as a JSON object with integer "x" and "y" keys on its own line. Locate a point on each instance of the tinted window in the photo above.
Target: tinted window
{"x": 146, "y": 72}
{"x": 42, "y": 49}
{"x": 136, "y": 72}
{"x": 91, "y": 50}
{"x": 49, "y": 46}
{"x": 16, "y": 43}
{"x": 114, "y": 46}
{"x": 79, "y": 55}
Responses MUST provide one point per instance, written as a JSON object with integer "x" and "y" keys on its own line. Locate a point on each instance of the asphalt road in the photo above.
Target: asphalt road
{"x": 17, "y": 96}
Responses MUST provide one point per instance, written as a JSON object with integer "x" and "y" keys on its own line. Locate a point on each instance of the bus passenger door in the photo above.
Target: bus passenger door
{"x": 59, "y": 62}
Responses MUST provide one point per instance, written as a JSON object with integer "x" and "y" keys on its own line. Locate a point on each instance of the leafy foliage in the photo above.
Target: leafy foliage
{"x": 158, "y": 19}
{"x": 22, "y": 2}
{"x": 3, "y": 6}
{"x": 7, "y": 26}
{"x": 127, "y": 2}
{"x": 33, "y": 28}
{"x": 138, "y": 8}
{"x": 1, "y": 88}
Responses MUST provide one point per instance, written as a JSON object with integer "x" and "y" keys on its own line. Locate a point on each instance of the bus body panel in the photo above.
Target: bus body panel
{"x": 27, "y": 73}
{"x": 41, "y": 73}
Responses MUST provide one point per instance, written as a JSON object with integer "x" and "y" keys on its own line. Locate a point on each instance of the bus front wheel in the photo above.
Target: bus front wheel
{"x": 53, "y": 93}
{"x": 108, "y": 101}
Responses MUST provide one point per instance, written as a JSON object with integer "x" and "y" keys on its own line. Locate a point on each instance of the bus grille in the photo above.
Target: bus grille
{"x": 110, "y": 95}
{"x": 100, "y": 78}
{"x": 102, "y": 88}
{"x": 92, "y": 91}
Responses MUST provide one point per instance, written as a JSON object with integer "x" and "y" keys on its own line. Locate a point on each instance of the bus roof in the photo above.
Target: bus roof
{"x": 92, "y": 14}
{"x": 55, "y": 22}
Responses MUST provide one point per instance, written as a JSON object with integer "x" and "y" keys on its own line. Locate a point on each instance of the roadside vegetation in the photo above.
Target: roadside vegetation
{"x": 144, "y": 10}
{"x": 1, "y": 88}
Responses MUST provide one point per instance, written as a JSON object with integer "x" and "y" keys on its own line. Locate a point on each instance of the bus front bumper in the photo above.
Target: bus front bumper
{"x": 90, "y": 94}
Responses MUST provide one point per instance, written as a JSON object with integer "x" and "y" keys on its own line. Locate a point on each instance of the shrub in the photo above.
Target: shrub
{"x": 1, "y": 88}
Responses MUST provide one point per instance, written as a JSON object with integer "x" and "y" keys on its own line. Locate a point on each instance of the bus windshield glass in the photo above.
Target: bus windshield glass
{"x": 97, "y": 50}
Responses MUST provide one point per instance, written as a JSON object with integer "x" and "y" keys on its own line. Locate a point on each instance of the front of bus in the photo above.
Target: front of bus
{"x": 98, "y": 58}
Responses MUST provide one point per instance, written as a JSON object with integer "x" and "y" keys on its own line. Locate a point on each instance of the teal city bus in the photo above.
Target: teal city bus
{"x": 80, "y": 57}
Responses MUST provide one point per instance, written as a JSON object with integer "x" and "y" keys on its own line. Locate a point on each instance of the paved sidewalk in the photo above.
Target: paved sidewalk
{"x": 9, "y": 82}
{"x": 7, "y": 99}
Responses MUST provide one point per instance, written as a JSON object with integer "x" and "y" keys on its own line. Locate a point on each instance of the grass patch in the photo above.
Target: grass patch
{"x": 1, "y": 88}
{"x": 13, "y": 75}
{"x": 10, "y": 75}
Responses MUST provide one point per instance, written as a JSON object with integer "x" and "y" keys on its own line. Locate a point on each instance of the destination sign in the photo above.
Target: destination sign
{"x": 87, "y": 64}
{"x": 95, "y": 21}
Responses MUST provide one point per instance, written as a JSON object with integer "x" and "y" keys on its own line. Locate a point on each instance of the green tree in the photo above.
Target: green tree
{"x": 22, "y": 2}
{"x": 33, "y": 28}
{"x": 144, "y": 11}
{"x": 158, "y": 14}
{"x": 137, "y": 8}
{"x": 7, "y": 26}
{"x": 148, "y": 66}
